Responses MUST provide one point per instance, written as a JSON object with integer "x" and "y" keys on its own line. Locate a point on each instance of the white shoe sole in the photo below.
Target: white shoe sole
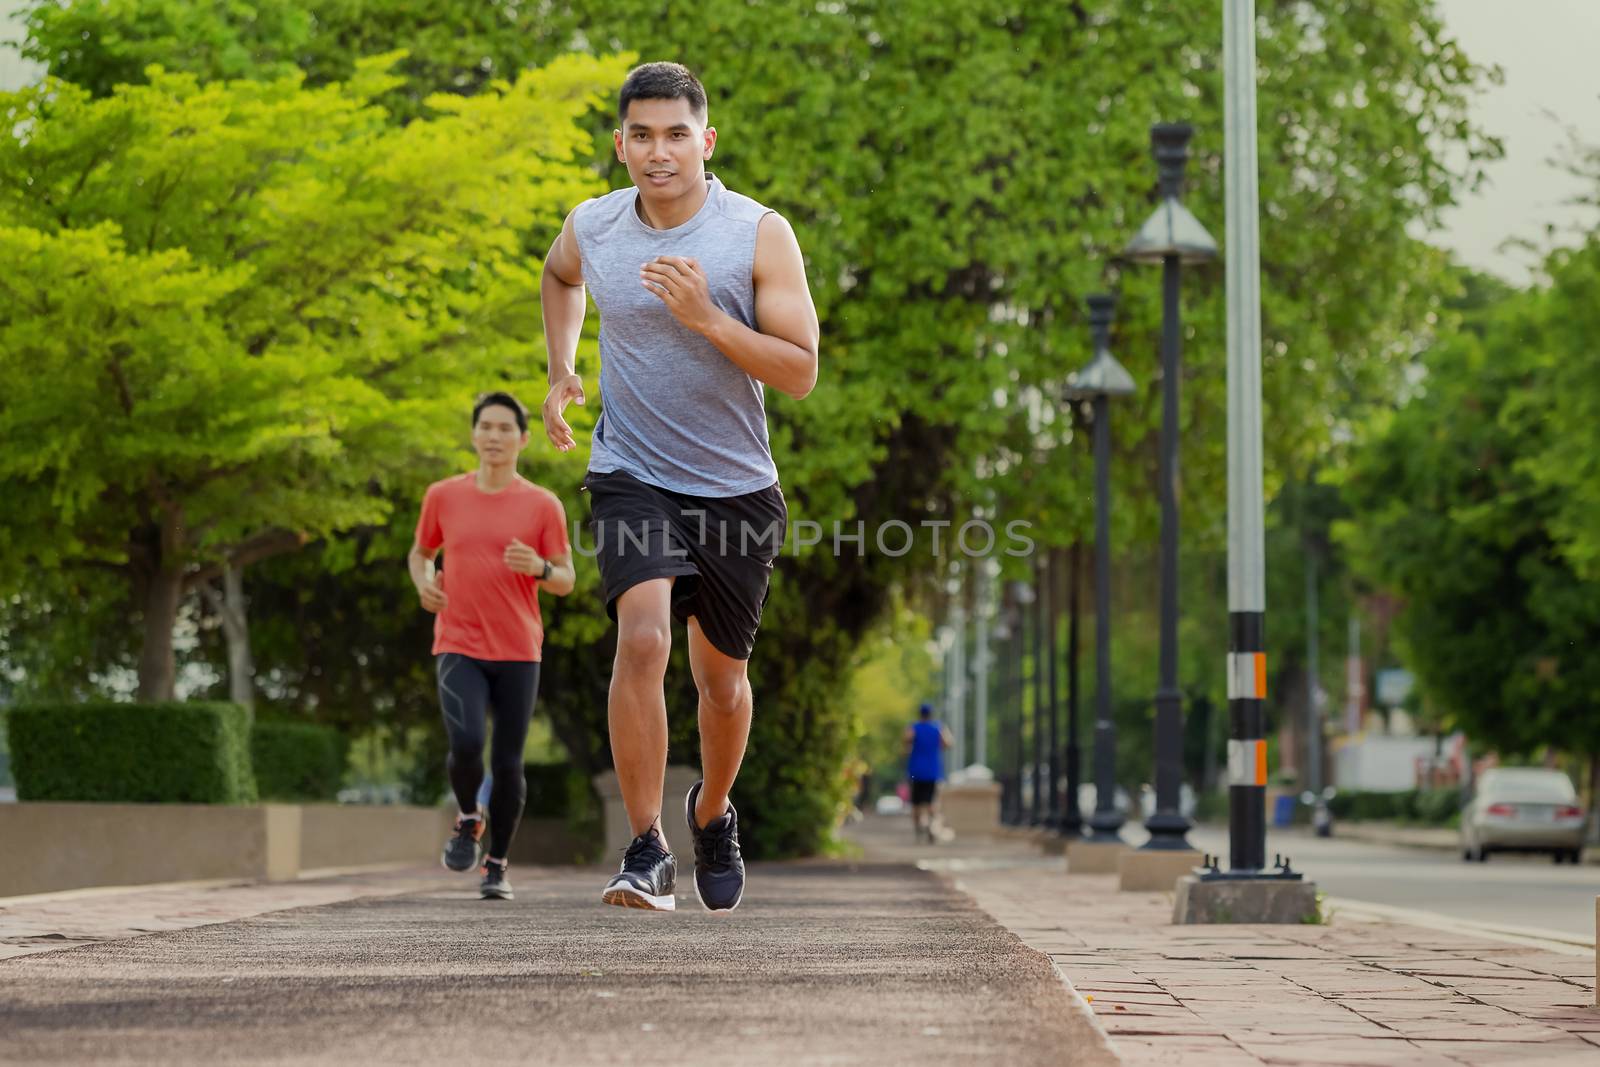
{"x": 623, "y": 895}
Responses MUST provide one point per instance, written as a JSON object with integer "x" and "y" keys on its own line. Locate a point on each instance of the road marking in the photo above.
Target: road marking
{"x": 1537, "y": 937}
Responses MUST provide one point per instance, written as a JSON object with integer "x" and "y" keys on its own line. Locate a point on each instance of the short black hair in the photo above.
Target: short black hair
{"x": 925, "y": 711}
{"x": 662, "y": 81}
{"x": 504, "y": 400}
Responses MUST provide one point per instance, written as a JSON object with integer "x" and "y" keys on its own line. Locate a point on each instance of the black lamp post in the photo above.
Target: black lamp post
{"x": 1001, "y": 703}
{"x": 1171, "y": 237}
{"x": 1098, "y": 382}
{"x": 1072, "y": 815}
{"x": 1033, "y": 596}
{"x": 1050, "y": 593}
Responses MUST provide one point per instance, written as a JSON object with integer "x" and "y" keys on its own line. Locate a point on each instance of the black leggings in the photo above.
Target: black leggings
{"x": 507, "y": 689}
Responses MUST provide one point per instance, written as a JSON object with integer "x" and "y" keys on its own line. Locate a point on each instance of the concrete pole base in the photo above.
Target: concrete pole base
{"x": 1147, "y": 870}
{"x": 1245, "y": 900}
{"x": 1094, "y": 857}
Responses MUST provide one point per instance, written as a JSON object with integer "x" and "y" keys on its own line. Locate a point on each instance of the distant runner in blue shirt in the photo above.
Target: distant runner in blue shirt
{"x": 926, "y": 741}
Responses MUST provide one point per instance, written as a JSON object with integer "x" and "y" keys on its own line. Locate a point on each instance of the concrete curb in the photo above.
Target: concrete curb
{"x": 1092, "y": 1046}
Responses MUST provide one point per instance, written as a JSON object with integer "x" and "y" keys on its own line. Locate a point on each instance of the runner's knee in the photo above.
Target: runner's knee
{"x": 644, "y": 646}
{"x": 727, "y": 693}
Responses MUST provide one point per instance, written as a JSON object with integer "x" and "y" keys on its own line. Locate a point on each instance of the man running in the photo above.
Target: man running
{"x": 703, "y": 301}
{"x": 503, "y": 537}
{"x": 925, "y": 742}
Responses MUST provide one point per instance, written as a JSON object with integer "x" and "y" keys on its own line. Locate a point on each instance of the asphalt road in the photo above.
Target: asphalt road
{"x": 824, "y": 964}
{"x": 1523, "y": 891}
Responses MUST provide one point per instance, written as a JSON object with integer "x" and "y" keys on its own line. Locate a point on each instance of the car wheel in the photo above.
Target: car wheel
{"x": 1559, "y": 856}
{"x": 1483, "y": 854}
{"x": 1466, "y": 855}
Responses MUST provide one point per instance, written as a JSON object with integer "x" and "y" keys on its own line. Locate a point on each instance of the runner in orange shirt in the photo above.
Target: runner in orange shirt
{"x": 503, "y": 537}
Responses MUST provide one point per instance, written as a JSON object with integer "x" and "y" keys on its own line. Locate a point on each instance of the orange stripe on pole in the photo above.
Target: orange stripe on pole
{"x": 1261, "y": 679}
{"x": 1261, "y": 763}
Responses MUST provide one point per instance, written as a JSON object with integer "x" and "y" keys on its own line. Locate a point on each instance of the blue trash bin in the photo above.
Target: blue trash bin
{"x": 1283, "y": 810}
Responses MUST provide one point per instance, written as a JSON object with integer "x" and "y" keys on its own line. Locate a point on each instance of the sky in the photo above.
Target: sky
{"x": 1547, "y": 49}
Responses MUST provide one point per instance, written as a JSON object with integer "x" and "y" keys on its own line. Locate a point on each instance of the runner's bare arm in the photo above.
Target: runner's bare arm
{"x": 563, "y": 576}
{"x": 523, "y": 559}
{"x": 561, "y": 299}
{"x": 782, "y": 353}
{"x": 419, "y": 561}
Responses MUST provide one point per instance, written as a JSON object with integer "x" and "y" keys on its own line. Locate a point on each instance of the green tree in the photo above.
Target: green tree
{"x": 1448, "y": 512}
{"x": 959, "y": 178}
{"x": 235, "y": 312}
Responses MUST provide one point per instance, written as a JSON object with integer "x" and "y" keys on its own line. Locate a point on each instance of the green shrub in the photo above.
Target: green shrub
{"x": 297, "y": 761}
{"x": 197, "y": 753}
{"x": 556, "y": 791}
{"x": 1432, "y": 807}
{"x": 1437, "y": 807}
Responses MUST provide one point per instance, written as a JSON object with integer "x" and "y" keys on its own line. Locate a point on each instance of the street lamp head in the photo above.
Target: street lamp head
{"x": 1171, "y": 230}
{"x": 1103, "y": 375}
{"x": 1169, "y": 143}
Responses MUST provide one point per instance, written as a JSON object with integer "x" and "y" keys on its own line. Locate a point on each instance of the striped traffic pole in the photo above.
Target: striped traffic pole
{"x": 1247, "y": 658}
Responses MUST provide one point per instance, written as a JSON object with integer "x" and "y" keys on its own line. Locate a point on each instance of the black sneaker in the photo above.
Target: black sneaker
{"x": 718, "y": 863}
{"x": 648, "y": 876}
{"x": 496, "y": 886}
{"x": 463, "y": 852}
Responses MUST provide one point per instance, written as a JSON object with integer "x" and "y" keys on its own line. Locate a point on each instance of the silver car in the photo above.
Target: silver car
{"x": 1523, "y": 809}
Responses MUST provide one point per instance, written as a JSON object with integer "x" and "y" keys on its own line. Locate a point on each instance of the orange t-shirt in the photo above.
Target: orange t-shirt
{"x": 493, "y": 612}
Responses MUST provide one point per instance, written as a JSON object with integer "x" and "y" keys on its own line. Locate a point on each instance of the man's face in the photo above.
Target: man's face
{"x": 665, "y": 147}
{"x": 495, "y": 435}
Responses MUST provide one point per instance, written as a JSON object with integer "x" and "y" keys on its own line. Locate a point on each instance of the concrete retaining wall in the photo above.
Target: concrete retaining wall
{"x": 49, "y": 847}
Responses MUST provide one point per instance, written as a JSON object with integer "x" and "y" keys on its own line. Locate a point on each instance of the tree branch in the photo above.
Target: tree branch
{"x": 251, "y": 550}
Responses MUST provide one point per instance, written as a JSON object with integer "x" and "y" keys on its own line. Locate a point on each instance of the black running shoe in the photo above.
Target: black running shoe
{"x": 648, "y": 876}
{"x": 718, "y": 862}
{"x": 462, "y": 852}
{"x": 496, "y": 886}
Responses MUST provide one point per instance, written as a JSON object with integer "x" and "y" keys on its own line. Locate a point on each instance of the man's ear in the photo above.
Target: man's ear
{"x": 616, "y": 142}
{"x": 710, "y": 142}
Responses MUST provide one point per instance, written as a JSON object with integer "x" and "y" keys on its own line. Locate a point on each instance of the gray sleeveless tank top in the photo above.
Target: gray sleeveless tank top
{"x": 676, "y": 413}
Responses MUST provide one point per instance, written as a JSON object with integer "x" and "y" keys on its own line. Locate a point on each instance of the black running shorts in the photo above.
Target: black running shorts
{"x": 720, "y": 550}
{"x": 923, "y": 790}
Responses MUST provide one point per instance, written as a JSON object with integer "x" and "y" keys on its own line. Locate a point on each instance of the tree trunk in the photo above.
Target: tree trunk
{"x": 231, "y": 609}
{"x": 157, "y": 667}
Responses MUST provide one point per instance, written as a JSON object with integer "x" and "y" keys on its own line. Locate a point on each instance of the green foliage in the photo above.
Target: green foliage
{"x": 896, "y": 672}
{"x": 1452, "y": 514}
{"x": 196, "y": 753}
{"x": 556, "y": 790}
{"x": 1436, "y": 807}
{"x": 1424, "y": 807}
{"x": 1557, "y": 330}
{"x": 297, "y": 761}
{"x": 953, "y": 224}
{"x": 262, "y": 304}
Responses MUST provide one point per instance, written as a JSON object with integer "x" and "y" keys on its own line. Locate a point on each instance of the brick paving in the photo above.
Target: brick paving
{"x": 1346, "y": 993}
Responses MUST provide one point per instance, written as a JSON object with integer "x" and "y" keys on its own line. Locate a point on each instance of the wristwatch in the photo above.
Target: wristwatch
{"x": 544, "y": 576}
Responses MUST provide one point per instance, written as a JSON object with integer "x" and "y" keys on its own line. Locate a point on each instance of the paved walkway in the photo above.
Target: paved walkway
{"x": 1347, "y": 992}
{"x": 822, "y": 964}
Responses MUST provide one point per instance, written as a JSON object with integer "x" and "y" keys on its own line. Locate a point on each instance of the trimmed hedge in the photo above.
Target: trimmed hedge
{"x": 559, "y": 791}
{"x": 1432, "y": 807}
{"x": 188, "y": 753}
{"x": 297, "y": 761}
